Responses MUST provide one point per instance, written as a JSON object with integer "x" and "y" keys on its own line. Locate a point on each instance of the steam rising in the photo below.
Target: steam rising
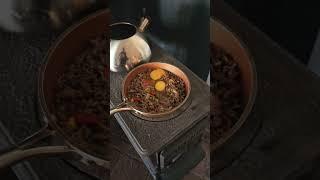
{"x": 7, "y": 19}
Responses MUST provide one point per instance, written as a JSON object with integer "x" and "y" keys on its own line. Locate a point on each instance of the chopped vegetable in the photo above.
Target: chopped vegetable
{"x": 71, "y": 123}
{"x": 156, "y": 95}
{"x": 83, "y": 87}
{"x": 226, "y": 100}
{"x": 86, "y": 119}
{"x": 147, "y": 83}
{"x": 106, "y": 72}
{"x": 157, "y": 74}
{"x": 160, "y": 86}
{"x": 136, "y": 100}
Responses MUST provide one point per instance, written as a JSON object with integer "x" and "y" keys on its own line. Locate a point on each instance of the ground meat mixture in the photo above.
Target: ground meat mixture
{"x": 226, "y": 93}
{"x": 82, "y": 98}
{"x": 156, "y": 91}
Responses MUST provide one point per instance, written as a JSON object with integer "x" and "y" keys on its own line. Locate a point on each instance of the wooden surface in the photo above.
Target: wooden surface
{"x": 288, "y": 104}
{"x": 149, "y": 137}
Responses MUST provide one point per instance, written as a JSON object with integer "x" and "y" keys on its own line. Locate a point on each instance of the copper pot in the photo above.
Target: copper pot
{"x": 125, "y": 105}
{"x": 68, "y": 46}
{"x": 223, "y": 37}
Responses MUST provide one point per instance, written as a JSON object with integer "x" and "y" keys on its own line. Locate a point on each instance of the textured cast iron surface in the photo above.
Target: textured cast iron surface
{"x": 148, "y": 137}
{"x": 21, "y": 56}
{"x": 288, "y": 104}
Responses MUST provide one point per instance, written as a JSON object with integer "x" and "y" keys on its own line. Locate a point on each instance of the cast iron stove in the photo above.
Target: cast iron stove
{"x": 171, "y": 148}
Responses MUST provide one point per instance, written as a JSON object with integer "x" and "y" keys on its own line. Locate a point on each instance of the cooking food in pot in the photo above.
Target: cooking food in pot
{"x": 156, "y": 91}
{"x": 226, "y": 92}
{"x": 82, "y": 98}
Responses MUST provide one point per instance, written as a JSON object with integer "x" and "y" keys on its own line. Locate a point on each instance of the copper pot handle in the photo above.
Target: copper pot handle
{"x": 24, "y": 151}
{"x": 17, "y": 155}
{"x": 121, "y": 107}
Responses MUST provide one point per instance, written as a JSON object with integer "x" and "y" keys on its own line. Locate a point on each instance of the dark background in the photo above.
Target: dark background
{"x": 181, "y": 27}
{"x": 293, "y": 24}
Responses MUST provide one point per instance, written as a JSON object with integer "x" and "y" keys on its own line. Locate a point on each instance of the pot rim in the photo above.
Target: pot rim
{"x": 124, "y": 23}
{"x": 49, "y": 118}
{"x": 254, "y": 83}
{"x": 162, "y": 115}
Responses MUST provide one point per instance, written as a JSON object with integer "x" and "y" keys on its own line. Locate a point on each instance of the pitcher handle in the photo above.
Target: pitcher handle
{"x": 144, "y": 22}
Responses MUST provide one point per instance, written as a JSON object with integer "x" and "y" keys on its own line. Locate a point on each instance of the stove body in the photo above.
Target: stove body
{"x": 177, "y": 159}
{"x": 174, "y": 161}
{"x": 170, "y": 148}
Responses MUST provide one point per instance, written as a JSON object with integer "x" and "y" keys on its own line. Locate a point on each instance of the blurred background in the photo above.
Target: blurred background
{"x": 293, "y": 24}
{"x": 180, "y": 27}
{"x": 27, "y": 29}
